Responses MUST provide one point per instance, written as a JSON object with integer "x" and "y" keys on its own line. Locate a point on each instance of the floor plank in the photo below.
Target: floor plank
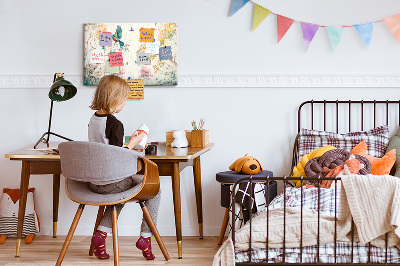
{"x": 44, "y": 251}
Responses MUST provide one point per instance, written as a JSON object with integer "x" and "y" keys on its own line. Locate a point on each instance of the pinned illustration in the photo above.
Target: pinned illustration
{"x": 153, "y": 47}
{"x": 143, "y": 58}
{"x": 146, "y": 35}
{"x": 105, "y": 39}
{"x": 109, "y": 69}
{"x": 165, "y": 53}
{"x": 97, "y": 56}
{"x": 116, "y": 59}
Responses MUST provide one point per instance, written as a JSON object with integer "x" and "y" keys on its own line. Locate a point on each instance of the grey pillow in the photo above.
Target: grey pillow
{"x": 394, "y": 143}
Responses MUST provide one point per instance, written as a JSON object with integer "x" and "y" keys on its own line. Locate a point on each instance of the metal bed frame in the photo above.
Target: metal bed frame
{"x": 338, "y": 106}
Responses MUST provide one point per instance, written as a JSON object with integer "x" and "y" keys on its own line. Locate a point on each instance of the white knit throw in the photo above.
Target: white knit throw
{"x": 372, "y": 201}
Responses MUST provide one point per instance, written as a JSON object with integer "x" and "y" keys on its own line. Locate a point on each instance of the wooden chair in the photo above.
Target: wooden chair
{"x": 83, "y": 162}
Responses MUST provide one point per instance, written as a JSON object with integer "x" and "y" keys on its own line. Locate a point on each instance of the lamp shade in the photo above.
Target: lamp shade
{"x": 62, "y": 90}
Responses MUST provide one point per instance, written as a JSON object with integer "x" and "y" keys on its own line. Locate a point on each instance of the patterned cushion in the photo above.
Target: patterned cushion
{"x": 377, "y": 139}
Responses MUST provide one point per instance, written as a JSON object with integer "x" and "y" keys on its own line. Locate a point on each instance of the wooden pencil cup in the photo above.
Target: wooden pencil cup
{"x": 200, "y": 138}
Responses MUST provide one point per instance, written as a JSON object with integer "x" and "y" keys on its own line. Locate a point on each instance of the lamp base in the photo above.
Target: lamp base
{"x": 46, "y": 140}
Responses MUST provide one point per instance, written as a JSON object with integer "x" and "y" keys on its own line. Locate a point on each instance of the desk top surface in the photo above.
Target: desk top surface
{"x": 163, "y": 153}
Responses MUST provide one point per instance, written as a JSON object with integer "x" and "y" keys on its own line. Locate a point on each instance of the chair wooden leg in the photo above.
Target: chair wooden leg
{"x": 115, "y": 235}
{"x": 223, "y": 227}
{"x": 98, "y": 220}
{"x": 70, "y": 234}
{"x": 154, "y": 230}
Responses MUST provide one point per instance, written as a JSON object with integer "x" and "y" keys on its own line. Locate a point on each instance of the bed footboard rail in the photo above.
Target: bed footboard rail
{"x": 266, "y": 260}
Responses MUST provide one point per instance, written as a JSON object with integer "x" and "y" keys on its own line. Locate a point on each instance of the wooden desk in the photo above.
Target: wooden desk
{"x": 170, "y": 162}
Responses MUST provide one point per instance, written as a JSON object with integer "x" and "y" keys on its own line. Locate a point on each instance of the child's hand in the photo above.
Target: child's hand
{"x": 135, "y": 139}
{"x": 142, "y": 150}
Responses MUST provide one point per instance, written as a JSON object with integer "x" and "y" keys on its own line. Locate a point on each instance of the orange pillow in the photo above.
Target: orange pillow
{"x": 380, "y": 166}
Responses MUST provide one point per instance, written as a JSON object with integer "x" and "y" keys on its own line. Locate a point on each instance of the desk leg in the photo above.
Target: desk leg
{"x": 56, "y": 199}
{"x": 197, "y": 187}
{"x": 176, "y": 190}
{"x": 25, "y": 175}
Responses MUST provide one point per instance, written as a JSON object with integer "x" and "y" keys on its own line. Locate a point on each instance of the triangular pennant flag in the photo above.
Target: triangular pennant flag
{"x": 393, "y": 23}
{"x": 309, "y": 31}
{"x": 260, "y": 13}
{"x": 236, "y": 5}
{"x": 365, "y": 32}
{"x": 335, "y": 34}
{"x": 283, "y": 24}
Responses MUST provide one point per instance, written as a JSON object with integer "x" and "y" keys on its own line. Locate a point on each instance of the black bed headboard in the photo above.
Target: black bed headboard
{"x": 346, "y": 116}
{"x": 371, "y": 111}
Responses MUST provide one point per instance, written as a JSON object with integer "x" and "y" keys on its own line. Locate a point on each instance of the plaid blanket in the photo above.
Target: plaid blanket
{"x": 326, "y": 252}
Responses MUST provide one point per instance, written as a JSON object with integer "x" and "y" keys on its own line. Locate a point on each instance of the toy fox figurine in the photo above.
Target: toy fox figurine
{"x": 9, "y": 205}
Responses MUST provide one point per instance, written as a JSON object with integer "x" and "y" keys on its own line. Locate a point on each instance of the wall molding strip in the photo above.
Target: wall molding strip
{"x": 239, "y": 81}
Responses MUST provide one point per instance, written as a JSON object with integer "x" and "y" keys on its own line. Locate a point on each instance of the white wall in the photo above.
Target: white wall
{"x": 42, "y": 37}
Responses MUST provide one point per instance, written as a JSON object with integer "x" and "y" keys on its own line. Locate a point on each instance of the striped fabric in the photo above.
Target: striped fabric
{"x": 326, "y": 252}
{"x": 377, "y": 139}
{"x": 8, "y": 225}
{"x": 310, "y": 199}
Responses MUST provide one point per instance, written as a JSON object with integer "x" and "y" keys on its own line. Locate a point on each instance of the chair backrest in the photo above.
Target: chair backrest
{"x": 93, "y": 162}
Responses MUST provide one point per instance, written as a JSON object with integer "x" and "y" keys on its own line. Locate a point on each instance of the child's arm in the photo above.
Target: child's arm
{"x": 135, "y": 139}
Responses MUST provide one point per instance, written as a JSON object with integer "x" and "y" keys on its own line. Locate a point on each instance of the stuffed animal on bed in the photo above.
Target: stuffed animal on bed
{"x": 380, "y": 166}
{"x": 350, "y": 166}
{"x": 298, "y": 170}
{"x": 246, "y": 165}
{"x": 9, "y": 205}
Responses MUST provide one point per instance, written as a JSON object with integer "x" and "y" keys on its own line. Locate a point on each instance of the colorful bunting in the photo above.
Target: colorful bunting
{"x": 365, "y": 32}
{"x": 309, "y": 31}
{"x": 393, "y": 23}
{"x": 283, "y": 25}
{"x": 335, "y": 34}
{"x": 260, "y": 13}
{"x": 236, "y": 5}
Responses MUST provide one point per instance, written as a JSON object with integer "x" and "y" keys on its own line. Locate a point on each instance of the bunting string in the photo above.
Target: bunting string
{"x": 310, "y": 29}
{"x": 321, "y": 26}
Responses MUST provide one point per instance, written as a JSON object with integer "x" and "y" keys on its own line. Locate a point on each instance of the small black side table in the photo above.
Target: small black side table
{"x": 229, "y": 178}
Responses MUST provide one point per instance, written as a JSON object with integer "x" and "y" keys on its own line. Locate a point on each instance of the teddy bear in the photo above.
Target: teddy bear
{"x": 9, "y": 205}
{"x": 180, "y": 140}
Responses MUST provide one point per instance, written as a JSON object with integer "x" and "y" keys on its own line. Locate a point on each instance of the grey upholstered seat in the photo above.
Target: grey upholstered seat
{"x": 80, "y": 192}
{"x": 83, "y": 162}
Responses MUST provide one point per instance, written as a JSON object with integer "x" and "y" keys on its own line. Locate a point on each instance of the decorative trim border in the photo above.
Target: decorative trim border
{"x": 243, "y": 81}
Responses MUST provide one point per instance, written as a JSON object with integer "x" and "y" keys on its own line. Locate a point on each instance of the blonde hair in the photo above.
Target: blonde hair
{"x": 109, "y": 93}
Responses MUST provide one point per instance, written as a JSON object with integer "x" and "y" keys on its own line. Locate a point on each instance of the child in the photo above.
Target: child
{"x": 110, "y": 98}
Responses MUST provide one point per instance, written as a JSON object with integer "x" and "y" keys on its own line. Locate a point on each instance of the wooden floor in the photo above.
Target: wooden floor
{"x": 44, "y": 250}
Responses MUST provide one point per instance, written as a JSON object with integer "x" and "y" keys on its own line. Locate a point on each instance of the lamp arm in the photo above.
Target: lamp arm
{"x": 51, "y": 114}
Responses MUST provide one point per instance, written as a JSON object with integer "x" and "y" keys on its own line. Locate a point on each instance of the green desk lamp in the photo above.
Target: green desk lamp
{"x": 61, "y": 90}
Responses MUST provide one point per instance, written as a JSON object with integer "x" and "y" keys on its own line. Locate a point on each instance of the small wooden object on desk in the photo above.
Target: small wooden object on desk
{"x": 199, "y": 138}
